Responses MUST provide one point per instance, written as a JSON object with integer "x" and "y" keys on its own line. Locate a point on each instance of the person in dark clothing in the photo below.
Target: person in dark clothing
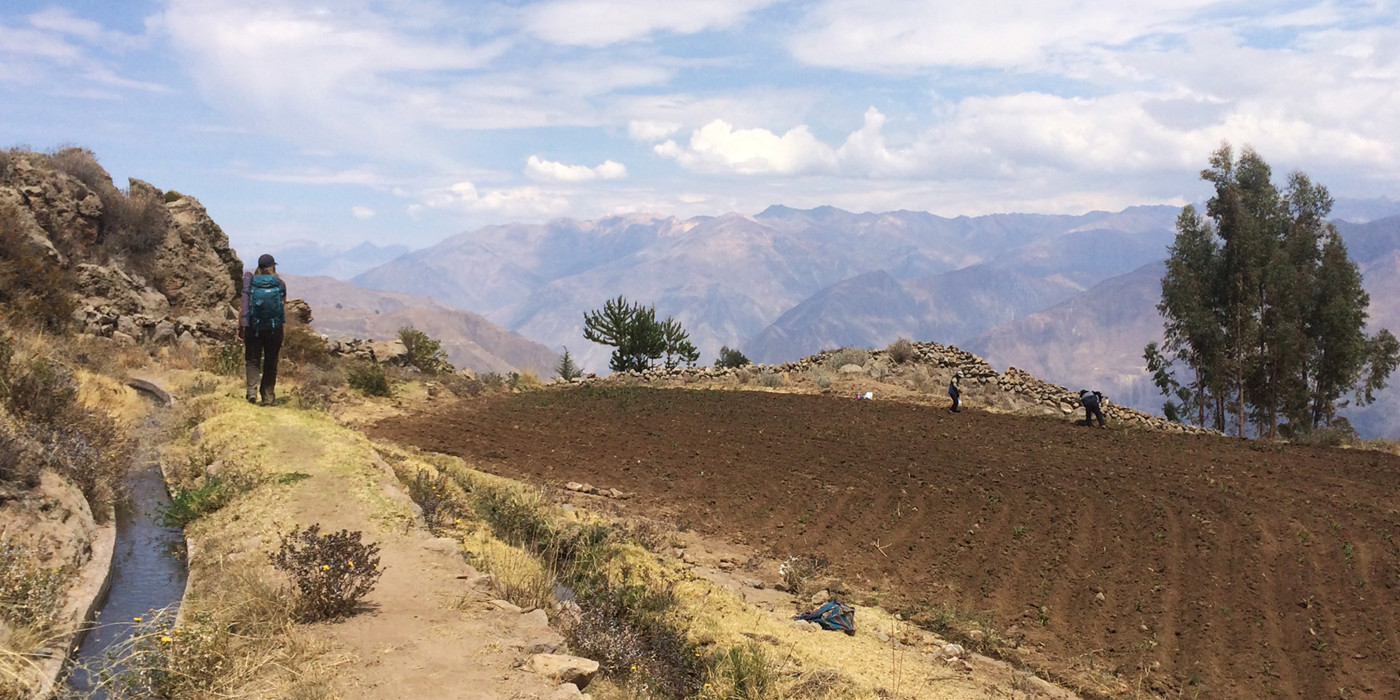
{"x": 1091, "y": 401}
{"x": 955, "y": 391}
{"x": 260, "y": 327}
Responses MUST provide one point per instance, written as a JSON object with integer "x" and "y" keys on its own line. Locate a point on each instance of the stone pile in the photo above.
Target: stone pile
{"x": 1016, "y": 387}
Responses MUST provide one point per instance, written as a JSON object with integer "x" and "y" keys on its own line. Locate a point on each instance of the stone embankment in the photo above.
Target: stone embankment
{"x": 1015, "y": 388}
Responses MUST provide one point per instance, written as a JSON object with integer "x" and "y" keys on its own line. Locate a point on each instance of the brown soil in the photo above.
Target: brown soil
{"x": 1124, "y": 561}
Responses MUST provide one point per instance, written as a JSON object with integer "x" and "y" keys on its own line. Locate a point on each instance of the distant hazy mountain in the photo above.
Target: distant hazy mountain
{"x": 874, "y": 309}
{"x": 310, "y": 259}
{"x": 341, "y": 309}
{"x": 727, "y": 278}
{"x": 1093, "y": 340}
{"x": 1364, "y": 210}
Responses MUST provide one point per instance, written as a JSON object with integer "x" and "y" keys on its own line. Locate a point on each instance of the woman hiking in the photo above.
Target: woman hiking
{"x": 260, "y": 327}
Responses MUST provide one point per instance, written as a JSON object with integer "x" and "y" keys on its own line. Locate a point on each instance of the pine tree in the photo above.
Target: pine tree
{"x": 566, "y": 369}
{"x": 638, "y": 337}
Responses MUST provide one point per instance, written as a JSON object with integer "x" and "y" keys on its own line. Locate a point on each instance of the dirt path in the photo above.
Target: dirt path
{"x": 1122, "y": 560}
{"x": 428, "y": 629}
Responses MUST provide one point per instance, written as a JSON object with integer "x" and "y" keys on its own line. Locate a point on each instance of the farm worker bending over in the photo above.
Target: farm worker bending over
{"x": 955, "y": 391}
{"x": 1091, "y": 400}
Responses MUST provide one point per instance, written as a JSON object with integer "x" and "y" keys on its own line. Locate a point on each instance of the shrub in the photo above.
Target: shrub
{"x": 730, "y": 357}
{"x": 424, "y": 352}
{"x": 772, "y": 380}
{"x": 304, "y": 346}
{"x": 30, "y": 594}
{"x": 43, "y": 392}
{"x": 901, "y": 351}
{"x": 629, "y": 632}
{"x": 822, "y": 380}
{"x": 368, "y": 378}
{"x": 173, "y": 196}
{"x": 134, "y": 223}
{"x": 226, "y": 360}
{"x": 81, "y": 164}
{"x": 434, "y": 494}
{"x": 848, "y": 356}
{"x": 800, "y": 574}
{"x": 331, "y": 570}
{"x": 33, "y": 288}
{"x": 19, "y": 463}
{"x": 523, "y": 381}
{"x": 744, "y": 673}
{"x": 87, "y": 448}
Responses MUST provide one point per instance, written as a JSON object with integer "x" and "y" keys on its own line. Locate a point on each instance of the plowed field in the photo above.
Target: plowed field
{"x": 1124, "y": 561}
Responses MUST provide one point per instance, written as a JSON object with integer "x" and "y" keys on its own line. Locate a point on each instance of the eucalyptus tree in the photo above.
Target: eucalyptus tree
{"x": 1264, "y": 307}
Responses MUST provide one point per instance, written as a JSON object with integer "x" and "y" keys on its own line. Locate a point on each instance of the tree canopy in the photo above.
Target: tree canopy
{"x": 638, "y": 338}
{"x": 1264, "y": 308}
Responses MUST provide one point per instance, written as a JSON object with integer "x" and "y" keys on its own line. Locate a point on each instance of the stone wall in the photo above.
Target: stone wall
{"x": 1015, "y": 388}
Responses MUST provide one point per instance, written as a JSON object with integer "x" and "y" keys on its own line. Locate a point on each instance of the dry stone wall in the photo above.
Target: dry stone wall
{"x": 1015, "y": 388}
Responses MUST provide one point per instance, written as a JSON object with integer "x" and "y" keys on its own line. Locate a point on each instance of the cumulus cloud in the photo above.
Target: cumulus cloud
{"x": 599, "y": 23}
{"x": 719, "y": 147}
{"x": 519, "y": 202}
{"x": 362, "y": 213}
{"x": 550, "y": 171}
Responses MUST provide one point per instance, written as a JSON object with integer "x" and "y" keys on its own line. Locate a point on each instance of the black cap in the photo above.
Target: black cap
{"x": 265, "y": 260}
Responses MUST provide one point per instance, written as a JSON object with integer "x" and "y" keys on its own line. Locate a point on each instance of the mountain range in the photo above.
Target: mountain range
{"x": 1070, "y": 298}
{"x": 342, "y": 310}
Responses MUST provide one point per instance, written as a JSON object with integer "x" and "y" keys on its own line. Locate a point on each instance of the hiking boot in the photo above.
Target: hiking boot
{"x": 251, "y": 376}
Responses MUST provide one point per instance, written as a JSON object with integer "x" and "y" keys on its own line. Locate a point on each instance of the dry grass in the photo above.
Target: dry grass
{"x": 518, "y": 576}
{"x": 236, "y": 639}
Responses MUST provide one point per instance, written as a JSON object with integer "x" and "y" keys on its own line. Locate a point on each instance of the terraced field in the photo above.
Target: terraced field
{"x": 1119, "y": 562}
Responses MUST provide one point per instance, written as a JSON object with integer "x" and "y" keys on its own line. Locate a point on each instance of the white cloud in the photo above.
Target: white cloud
{"x": 718, "y": 147}
{"x": 340, "y": 77}
{"x": 900, "y": 34}
{"x": 550, "y": 171}
{"x": 599, "y": 23}
{"x": 650, "y": 131}
{"x": 516, "y": 202}
{"x": 362, "y": 213}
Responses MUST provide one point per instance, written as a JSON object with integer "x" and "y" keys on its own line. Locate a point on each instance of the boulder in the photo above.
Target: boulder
{"x": 298, "y": 310}
{"x": 390, "y": 352}
{"x": 563, "y": 668}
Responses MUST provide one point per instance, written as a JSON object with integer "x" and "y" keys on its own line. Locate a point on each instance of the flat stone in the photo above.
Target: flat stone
{"x": 507, "y": 606}
{"x": 566, "y": 669}
{"x": 534, "y": 619}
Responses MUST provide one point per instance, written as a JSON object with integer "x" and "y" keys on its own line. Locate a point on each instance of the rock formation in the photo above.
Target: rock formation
{"x": 147, "y": 265}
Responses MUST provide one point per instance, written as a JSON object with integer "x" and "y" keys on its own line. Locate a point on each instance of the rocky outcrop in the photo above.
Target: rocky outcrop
{"x": 143, "y": 268}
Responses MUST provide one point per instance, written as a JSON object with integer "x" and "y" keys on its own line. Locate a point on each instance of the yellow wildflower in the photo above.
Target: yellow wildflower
{"x": 325, "y": 567}
{"x": 165, "y": 639}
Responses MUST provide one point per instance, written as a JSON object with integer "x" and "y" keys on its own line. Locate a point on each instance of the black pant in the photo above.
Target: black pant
{"x": 1091, "y": 410}
{"x": 260, "y": 349}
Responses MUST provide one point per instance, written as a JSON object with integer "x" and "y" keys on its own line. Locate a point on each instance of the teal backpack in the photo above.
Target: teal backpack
{"x": 265, "y": 302}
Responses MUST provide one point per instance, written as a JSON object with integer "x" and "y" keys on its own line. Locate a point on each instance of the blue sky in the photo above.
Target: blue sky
{"x": 406, "y": 121}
